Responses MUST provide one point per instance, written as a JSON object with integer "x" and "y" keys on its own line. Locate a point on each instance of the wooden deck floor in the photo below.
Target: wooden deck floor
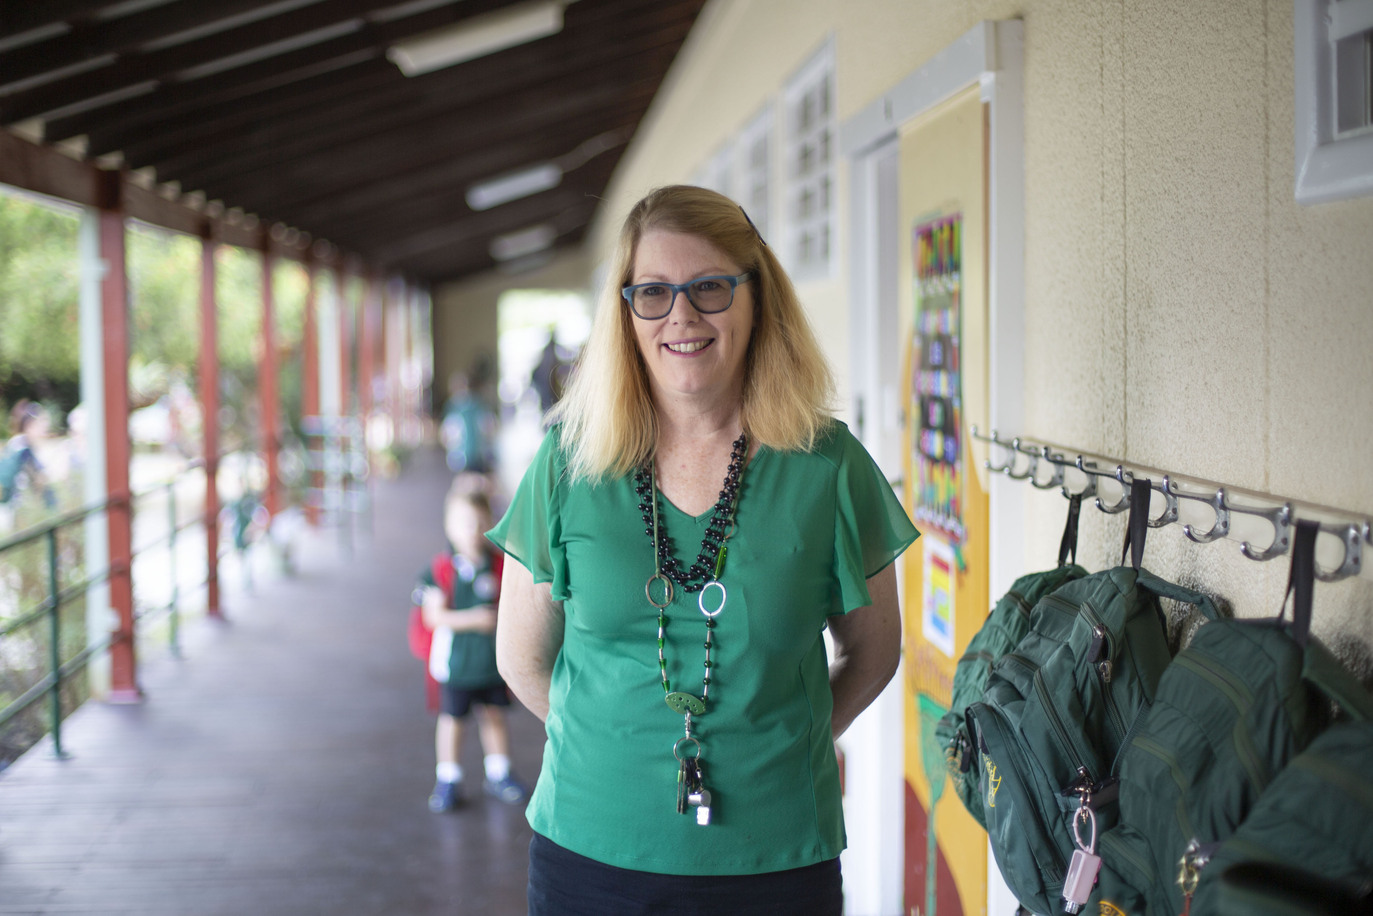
{"x": 280, "y": 767}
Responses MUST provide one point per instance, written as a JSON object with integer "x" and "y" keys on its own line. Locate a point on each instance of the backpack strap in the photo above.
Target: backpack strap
{"x": 1138, "y": 527}
{"x": 1319, "y": 667}
{"x": 1301, "y": 580}
{"x": 444, "y": 574}
{"x": 1068, "y": 546}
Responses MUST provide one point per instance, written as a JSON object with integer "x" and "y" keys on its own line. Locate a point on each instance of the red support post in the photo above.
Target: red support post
{"x": 366, "y": 345}
{"x": 345, "y": 346}
{"x": 209, "y": 406}
{"x": 309, "y": 383}
{"x": 114, "y": 300}
{"x": 267, "y": 385}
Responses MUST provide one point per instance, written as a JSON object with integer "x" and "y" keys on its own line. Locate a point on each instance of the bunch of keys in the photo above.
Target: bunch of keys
{"x": 691, "y": 793}
{"x": 1085, "y": 864}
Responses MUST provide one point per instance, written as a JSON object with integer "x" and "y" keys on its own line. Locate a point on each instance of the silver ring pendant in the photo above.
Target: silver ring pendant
{"x": 701, "y": 601}
{"x": 678, "y": 743}
{"x": 667, "y": 590}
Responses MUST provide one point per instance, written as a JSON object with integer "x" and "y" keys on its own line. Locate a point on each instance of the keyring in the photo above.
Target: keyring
{"x": 701, "y": 601}
{"x": 678, "y": 743}
{"x": 1085, "y": 813}
{"x": 667, "y": 589}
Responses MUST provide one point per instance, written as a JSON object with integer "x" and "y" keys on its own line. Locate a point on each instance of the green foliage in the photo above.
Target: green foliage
{"x": 39, "y": 290}
{"x": 164, "y": 292}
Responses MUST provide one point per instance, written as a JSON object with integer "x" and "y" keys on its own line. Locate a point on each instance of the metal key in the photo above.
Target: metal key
{"x": 683, "y": 774}
{"x": 1084, "y": 866}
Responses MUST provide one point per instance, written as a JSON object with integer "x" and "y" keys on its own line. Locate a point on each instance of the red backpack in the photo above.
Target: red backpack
{"x": 419, "y": 635}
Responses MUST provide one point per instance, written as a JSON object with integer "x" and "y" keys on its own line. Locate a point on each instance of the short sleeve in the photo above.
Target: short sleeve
{"x": 871, "y": 527}
{"x": 531, "y": 529}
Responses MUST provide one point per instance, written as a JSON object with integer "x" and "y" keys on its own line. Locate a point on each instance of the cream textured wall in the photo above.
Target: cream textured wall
{"x": 1182, "y": 311}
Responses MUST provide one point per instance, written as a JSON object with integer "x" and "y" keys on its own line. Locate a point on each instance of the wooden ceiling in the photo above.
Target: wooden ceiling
{"x": 291, "y": 111}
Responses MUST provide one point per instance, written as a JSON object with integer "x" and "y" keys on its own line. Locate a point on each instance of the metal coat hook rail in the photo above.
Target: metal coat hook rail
{"x": 1045, "y": 466}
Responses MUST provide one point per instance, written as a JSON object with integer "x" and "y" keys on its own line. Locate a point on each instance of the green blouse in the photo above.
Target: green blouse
{"x": 811, "y": 528}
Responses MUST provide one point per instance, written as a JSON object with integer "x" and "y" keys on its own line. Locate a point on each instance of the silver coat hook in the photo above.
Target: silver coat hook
{"x": 1125, "y": 478}
{"x": 1057, "y": 461}
{"x": 1280, "y": 517}
{"x": 1088, "y": 468}
{"x": 1353, "y": 536}
{"x": 1170, "y": 511}
{"x": 1010, "y": 461}
{"x": 1029, "y": 473}
{"x": 1219, "y": 528}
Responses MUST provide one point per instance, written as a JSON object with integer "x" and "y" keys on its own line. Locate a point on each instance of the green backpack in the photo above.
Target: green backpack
{"x": 1058, "y": 709}
{"x": 1002, "y": 631}
{"x": 1307, "y": 847}
{"x": 1243, "y": 699}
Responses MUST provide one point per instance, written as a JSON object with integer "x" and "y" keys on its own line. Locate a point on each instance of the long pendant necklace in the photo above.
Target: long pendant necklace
{"x": 702, "y": 577}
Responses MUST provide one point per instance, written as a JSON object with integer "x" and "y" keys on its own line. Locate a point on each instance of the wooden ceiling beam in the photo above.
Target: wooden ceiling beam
{"x": 342, "y": 106}
{"x": 329, "y": 132}
{"x": 388, "y": 156}
{"x": 166, "y": 65}
{"x": 122, "y": 35}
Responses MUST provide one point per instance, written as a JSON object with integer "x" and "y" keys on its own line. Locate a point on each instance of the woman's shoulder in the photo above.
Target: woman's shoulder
{"x": 835, "y": 443}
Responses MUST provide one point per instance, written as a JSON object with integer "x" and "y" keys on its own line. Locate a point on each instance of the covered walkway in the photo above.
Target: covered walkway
{"x": 280, "y": 767}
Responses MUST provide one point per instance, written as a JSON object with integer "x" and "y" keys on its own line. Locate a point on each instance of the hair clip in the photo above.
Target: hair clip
{"x": 753, "y": 227}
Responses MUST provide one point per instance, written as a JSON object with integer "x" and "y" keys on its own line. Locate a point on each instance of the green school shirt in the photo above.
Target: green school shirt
{"x": 810, "y": 529}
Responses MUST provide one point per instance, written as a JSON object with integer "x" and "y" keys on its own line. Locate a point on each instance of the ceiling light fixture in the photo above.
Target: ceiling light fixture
{"x": 543, "y": 176}
{"x": 513, "y": 185}
{"x": 478, "y": 36}
{"x": 514, "y": 245}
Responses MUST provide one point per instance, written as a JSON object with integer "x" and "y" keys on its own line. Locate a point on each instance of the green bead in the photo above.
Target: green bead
{"x": 720, "y": 560}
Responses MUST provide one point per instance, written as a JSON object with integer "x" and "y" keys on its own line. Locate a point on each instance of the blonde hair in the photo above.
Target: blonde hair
{"x": 609, "y": 426}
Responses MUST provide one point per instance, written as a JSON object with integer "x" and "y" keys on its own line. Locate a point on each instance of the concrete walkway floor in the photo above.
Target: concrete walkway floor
{"x": 280, "y": 766}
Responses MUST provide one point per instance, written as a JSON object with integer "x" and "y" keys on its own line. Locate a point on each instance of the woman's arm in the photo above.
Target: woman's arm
{"x": 867, "y": 649}
{"x": 529, "y": 634}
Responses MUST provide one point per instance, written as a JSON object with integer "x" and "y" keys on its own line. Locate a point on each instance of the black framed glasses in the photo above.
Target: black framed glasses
{"x": 651, "y": 301}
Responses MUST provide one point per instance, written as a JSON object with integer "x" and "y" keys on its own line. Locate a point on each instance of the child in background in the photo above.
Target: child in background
{"x": 461, "y": 611}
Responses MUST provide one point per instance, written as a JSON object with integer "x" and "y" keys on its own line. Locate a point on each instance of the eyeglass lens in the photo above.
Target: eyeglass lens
{"x": 707, "y": 295}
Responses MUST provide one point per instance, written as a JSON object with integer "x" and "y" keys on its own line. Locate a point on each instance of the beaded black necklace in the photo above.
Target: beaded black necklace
{"x": 712, "y": 554}
{"x": 704, "y": 573}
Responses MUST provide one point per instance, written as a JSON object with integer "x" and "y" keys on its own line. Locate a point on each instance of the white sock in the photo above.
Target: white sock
{"x": 448, "y": 772}
{"x": 497, "y": 766}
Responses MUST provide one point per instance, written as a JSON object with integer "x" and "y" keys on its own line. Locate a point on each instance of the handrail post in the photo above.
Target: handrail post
{"x": 55, "y": 646}
{"x": 174, "y": 610}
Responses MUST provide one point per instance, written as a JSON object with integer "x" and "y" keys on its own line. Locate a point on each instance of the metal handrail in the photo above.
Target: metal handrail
{"x": 59, "y": 670}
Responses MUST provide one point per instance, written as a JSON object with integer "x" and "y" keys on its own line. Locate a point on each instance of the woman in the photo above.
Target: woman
{"x": 700, "y": 369}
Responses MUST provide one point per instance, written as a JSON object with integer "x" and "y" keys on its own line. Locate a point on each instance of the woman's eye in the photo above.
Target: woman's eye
{"x": 706, "y": 286}
{"x": 650, "y": 292}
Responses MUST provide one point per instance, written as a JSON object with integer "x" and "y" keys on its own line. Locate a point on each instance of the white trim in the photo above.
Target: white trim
{"x": 962, "y": 64}
{"x": 990, "y": 55}
{"x": 1326, "y": 168}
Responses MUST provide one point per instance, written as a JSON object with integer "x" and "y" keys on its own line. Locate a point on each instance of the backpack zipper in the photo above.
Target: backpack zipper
{"x": 1104, "y": 668}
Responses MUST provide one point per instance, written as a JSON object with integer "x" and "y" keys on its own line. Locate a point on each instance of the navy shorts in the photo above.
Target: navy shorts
{"x": 563, "y": 883}
{"x": 457, "y": 701}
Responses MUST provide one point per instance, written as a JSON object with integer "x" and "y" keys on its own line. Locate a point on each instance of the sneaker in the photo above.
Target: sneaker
{"x": 509, "y": 790}
{"x": 445, "y": 797}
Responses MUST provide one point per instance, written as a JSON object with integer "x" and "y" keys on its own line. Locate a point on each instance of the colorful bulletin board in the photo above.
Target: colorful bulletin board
{"x": 944, "y": 307}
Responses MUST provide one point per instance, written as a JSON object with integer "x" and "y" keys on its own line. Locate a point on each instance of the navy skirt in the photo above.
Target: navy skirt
{"x": 563, "y": 883}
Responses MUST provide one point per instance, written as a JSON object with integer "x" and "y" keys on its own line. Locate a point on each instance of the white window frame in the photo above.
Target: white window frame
{"x": 810, "y": 192}
{"x": 1328, "y": 167}
{"x": 754, "y": 170}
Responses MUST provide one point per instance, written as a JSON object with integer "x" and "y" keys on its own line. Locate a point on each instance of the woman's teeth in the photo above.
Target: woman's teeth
{"x": 690, "y": 347}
